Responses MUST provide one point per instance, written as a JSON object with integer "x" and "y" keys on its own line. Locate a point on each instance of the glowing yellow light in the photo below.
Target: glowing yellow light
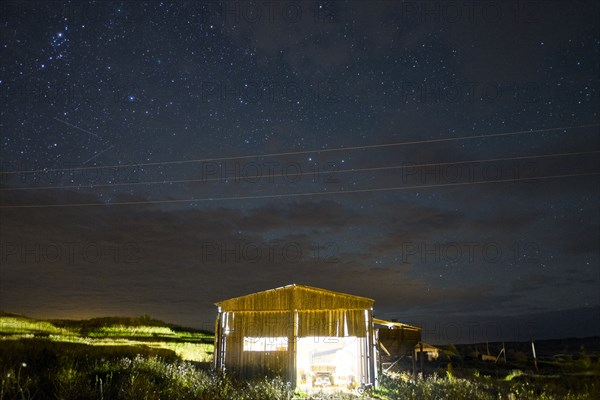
{"x": 329, "y": 361}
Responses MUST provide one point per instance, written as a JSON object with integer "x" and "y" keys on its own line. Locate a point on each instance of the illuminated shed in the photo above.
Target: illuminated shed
{"x": 309, "y": 336}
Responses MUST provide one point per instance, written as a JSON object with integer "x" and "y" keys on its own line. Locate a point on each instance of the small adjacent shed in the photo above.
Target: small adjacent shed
{"x": 313, "y": 337}
{"x": 397, "y": 342}
{"x": 397, "y": 339}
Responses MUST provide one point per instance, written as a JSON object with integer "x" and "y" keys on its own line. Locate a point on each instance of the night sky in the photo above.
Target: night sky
{"x": 157, "y": 157}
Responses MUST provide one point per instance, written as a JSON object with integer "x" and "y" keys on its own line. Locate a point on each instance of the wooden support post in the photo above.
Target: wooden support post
{"x": 293, "y": 348}
{"x": 414, "y": 362}
{"x": 421, "y": 348}
{"x": 373, "y": 350}
{"x": 378, "y": 345}
{"x": 217, "y": 345}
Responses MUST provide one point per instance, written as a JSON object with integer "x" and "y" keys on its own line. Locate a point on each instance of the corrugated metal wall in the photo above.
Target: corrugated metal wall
{"x": 292, "y": 311}
{"x": 235, "y": 325}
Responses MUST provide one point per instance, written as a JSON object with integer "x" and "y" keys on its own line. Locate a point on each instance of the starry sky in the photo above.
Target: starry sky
{"x": 440, "y": 157}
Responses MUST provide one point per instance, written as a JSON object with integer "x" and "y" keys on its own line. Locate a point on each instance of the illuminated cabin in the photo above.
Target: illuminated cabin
{"x": 311, "y": 337}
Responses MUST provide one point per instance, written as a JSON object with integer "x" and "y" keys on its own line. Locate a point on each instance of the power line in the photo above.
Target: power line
{"x": 289, "y": 153}
{"x": 312, "y": 173}
{"x": 301, "y": 194}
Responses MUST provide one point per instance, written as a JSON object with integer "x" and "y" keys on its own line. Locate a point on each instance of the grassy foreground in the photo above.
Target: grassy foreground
{"x": 116, "y": 358}
{"x": 38, "y": 369}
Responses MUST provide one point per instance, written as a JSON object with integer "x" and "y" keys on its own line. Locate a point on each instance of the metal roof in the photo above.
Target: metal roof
{"x": 392, "y": 324}
{"x": 295, "y": 297}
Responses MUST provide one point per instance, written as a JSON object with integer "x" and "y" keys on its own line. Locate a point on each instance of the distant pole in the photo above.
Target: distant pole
{"x": 534, "y": 356}
{"x": 504, "y": 352}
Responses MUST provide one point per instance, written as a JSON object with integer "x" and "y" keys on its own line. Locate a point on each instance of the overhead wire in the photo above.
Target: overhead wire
{"x": 311, "y": 173}
{"x": 301, "y": 194}
{"x": 298, "y": 152}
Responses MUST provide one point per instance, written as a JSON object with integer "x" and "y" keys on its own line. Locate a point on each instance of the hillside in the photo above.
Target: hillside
{"x": 187, "y": 343}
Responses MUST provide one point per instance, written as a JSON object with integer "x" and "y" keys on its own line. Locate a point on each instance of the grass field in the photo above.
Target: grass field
{"x": 141, "y": 358}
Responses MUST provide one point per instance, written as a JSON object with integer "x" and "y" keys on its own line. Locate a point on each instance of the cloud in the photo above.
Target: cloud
{"x": 582, "y": 239}
{"x": 324, "y": 214}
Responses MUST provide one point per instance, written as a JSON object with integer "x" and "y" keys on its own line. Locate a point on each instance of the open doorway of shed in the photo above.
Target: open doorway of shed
{"x": 330, "y": 362}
